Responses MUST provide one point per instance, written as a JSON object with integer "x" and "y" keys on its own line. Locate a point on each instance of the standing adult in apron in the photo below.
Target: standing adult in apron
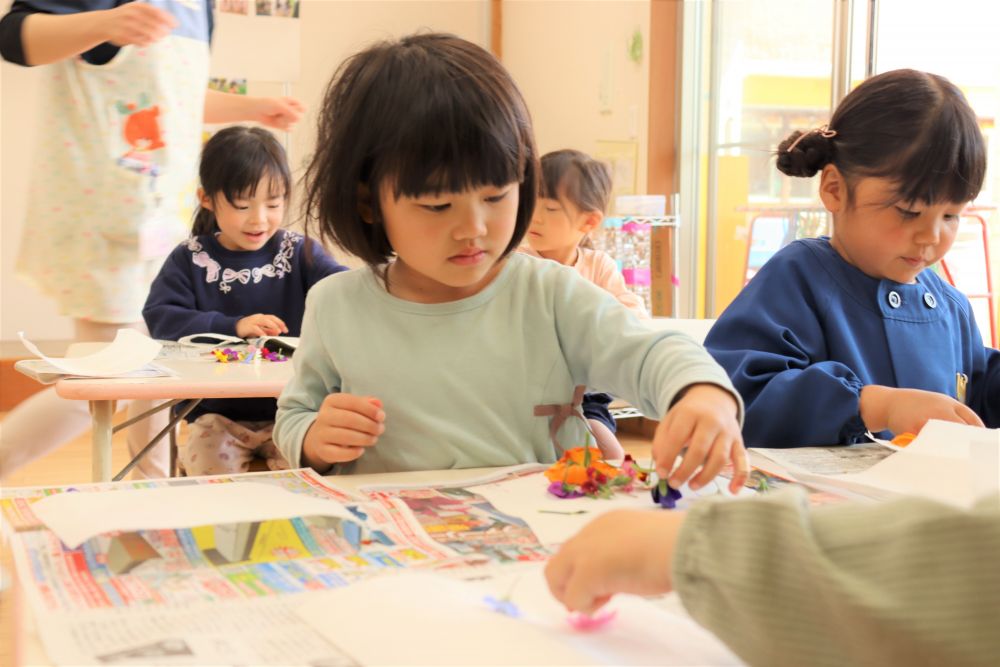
{"x": 113, "y": 174}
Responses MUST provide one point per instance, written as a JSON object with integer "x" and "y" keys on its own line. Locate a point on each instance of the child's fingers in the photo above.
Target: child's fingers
{"x": 354, "y": 422}
{"x": 581, "y": 594}
{"x": 968, "y": 416}
{"x": 334, "y": 453}
{"x": 669, "y": 439}
{"x": 273, "y": 324}
{"x": 348, "y": 437}
{"x": 698, "y": 447}
{"x": 741, "y": 468}
{"x": 278, "y": 323}
{"x": 369, "y": 406}
{"x": 717, "y": 458}
{"x": 557, "y": 573}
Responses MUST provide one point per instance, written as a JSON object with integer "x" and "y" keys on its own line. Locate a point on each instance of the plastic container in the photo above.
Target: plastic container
{"x": 641, "y": 205}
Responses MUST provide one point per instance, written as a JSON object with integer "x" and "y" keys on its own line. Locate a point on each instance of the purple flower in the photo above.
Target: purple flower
{"x": 561, "y": 490}
{"x": 503, "y": 606}
{"x": 665, "y": 496}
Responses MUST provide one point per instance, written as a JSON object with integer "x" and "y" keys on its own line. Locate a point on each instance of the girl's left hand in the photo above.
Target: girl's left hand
{"x": 705, "y": 421}
{"x": 279, "y": 113}
{"x": 260, "y": 324}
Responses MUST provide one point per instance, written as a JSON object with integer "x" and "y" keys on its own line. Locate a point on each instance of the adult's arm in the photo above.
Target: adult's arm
{"x": 43, "y": 32}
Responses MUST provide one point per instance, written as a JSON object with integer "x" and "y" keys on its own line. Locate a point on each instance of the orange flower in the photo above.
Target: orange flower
{"x": 572, "y": 467}
{"x": 903, "y": 439}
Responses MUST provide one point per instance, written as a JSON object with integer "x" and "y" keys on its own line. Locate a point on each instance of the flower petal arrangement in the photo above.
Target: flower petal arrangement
{"x": 251, "y": 354}
{"x": 582, "y": 471}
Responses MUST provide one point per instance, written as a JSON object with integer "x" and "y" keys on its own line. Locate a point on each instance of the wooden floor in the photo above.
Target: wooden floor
{"x": 68, "y": 465}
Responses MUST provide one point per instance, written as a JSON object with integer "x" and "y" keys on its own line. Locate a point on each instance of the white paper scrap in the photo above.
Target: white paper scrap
{"x": 129, "y": 351}
{"x": 554, "y": 520}
{"x": 76, "y": 517}
{"x": 939, "y": 464}
{"x": 435, "y": 620}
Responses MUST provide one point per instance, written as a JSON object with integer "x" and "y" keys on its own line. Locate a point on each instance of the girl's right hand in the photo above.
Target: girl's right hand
{"x": 907, "y": 410}
{"x": 260, "y": 324}
{"x": 345, "y": 425}
{"x": 137, "y": 23}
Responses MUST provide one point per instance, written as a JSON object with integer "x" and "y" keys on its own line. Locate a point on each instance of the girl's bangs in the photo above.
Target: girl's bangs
{"x": 948, "y": 164}
{"x": 243, "y": 178}
{"x": 455, "y": 161}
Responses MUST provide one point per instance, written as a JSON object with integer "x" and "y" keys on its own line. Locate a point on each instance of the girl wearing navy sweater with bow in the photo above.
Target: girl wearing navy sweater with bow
{"x": 853, "y": 333}
{"x": 238, "y": 274}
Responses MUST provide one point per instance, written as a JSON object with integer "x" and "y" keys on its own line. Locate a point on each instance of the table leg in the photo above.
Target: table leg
{"x": 101, "y": 413}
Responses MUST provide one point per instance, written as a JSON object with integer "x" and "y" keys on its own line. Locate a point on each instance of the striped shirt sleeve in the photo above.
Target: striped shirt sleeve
{"x": 905, "y": 582}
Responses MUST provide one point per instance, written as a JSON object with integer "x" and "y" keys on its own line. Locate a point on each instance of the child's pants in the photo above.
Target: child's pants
{"x": 217, "y": 445}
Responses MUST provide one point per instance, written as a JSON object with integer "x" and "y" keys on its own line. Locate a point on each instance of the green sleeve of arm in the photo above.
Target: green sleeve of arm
{"x": 905, "y": 582}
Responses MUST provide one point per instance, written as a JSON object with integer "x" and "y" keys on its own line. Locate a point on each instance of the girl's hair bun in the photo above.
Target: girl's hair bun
{"x": 805, "y": 153}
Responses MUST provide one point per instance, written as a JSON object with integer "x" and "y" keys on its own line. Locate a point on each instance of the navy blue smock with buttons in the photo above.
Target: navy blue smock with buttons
{"x": 810, "y": 330}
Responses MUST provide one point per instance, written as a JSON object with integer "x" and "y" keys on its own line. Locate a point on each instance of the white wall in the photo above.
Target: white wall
{"x": 564, "y": 54}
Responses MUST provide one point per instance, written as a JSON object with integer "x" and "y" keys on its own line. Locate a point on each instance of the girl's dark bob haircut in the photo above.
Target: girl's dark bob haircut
{"x": 913, "y": 128}
{"x": 429, "y": 113}
{"x": 233, "y": 162}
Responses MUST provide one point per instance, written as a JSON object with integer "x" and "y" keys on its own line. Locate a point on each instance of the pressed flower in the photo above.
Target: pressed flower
{"x": 582, "y": 471}
{"x": 590, "y": 622}
{"x": 665, "y": 495}
{"x": 903, "y": 439}
{"x": 563, "y": 491}
{"x": 502, "y": 606}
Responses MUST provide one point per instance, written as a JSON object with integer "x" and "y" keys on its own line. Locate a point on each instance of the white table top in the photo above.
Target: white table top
{"x": 195, "y": 377}
{"x": 205, "y": 378}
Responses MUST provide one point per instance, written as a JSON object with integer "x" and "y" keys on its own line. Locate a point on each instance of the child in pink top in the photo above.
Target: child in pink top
{"x": 573, "y": 197}
{"x": 574, "y": 194}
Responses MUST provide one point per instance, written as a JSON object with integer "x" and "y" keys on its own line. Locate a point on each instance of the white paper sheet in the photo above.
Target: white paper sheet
{"x": 947, "y": 462}
{"x": 554, "y": 520}
{"x": 76, "y": 517}
{"x": 45, "y": 373}
{"x": 434, "y": 620}
{"x": 129, "y": 351}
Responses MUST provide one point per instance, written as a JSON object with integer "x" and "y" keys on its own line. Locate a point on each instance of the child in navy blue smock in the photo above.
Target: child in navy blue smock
{"x": 853, "y": 333}
{"x": 239, "y": 274}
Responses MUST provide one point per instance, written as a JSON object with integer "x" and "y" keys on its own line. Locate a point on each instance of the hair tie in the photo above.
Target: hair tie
{"x": 823, "y": 130}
